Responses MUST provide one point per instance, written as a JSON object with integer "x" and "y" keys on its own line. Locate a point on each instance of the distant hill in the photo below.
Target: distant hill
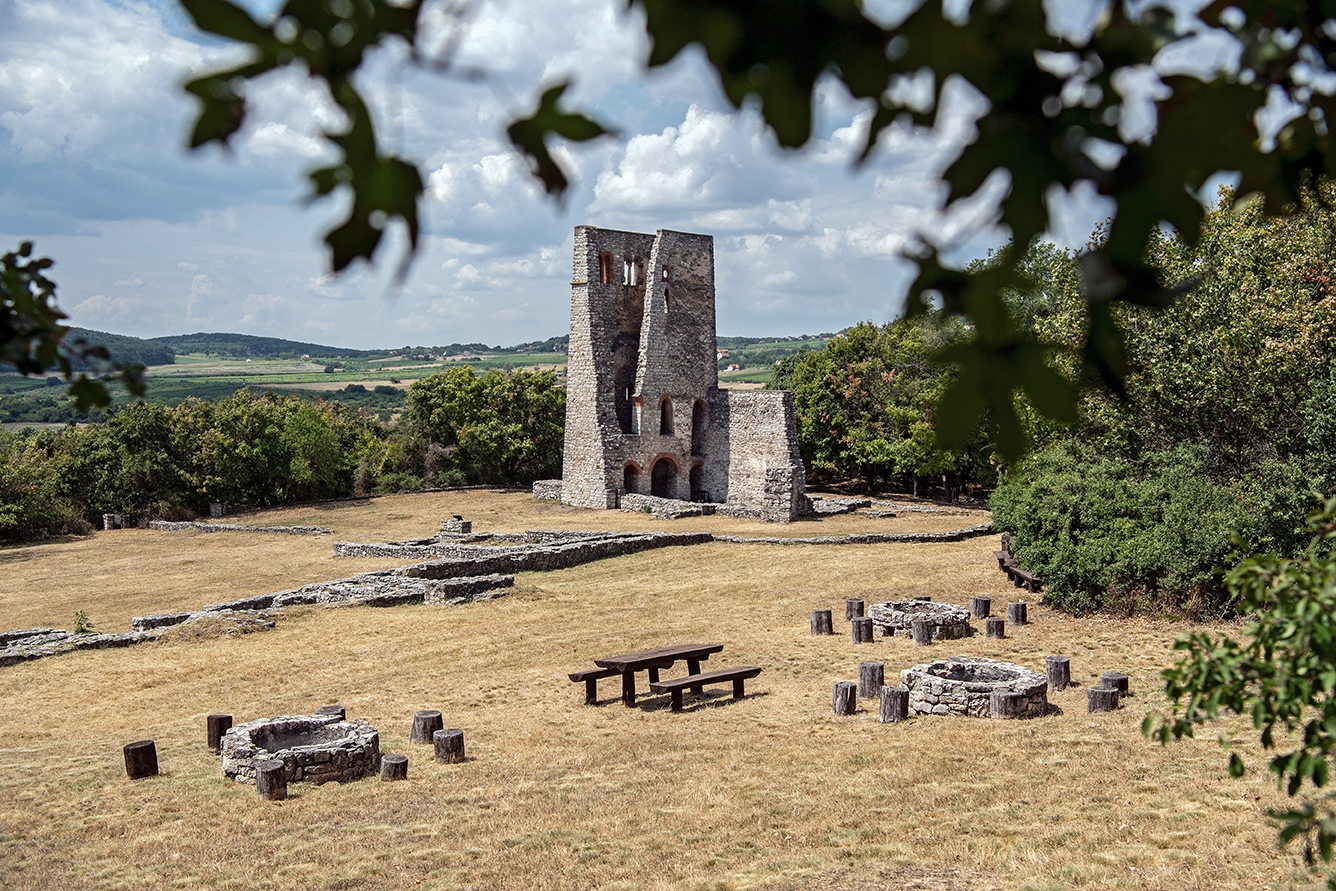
{"x": 247, "y": 346}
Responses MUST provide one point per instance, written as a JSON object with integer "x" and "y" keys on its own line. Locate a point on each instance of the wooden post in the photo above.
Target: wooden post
{"x": 860, "y": 629}
{"x": 844, "y": 699}
{"x": 1059, "y": 672}
{"x": 922, "y": 631}
{"x": 214, "y": 728}
{"x": 271, "y": 779}
{"x": 995, "y": 626}
{"x": 853, "y": 609}
{"x": 1101, "y": 699}
{"x": 894, "y": 705}
{"x": 1115, "y": 679}
{"x": 871, "y": 676}
{"x": 1016, "y": 613}
{"x": 425, "y": 723}
{"x": 923, "y": 598}
{"x": 1006, "y": 704}
{"x": 333, "y": 710}
{"x": 821, "y": 622}
{"x": 981, "y": 607}
{"x": 449, "y": 746}
{"x": 394, "y": 767}
{"x": 141, "y": 759}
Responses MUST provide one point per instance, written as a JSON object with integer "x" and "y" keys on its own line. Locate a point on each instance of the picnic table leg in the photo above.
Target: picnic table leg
{"x": 677, "y": 699}
{"x": 628, "y": 688}
{"x": 693, "y": 667}
{"x": 737, "y": 688}
{"x": 653, "y": 675}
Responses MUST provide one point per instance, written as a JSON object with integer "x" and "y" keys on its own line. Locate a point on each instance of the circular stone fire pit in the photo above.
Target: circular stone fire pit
{"x": 946, "y": 621}
{"x": 314, "y": 748}
{"x": 964, "y": 685}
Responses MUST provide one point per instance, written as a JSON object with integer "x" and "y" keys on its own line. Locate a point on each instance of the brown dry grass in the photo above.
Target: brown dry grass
{"x": 771, "y": 791}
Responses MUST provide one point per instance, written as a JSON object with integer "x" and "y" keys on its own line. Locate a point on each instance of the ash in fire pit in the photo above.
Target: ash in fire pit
{"x": 946, "y": 621}
{"x": 965, "y": 685}
{"x": 314, "y": 748}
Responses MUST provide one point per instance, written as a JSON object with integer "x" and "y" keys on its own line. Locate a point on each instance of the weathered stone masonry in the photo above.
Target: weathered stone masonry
{"x": 644, "y": 411}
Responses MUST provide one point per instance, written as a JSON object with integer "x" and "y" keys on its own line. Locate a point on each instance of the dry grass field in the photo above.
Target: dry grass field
{"x": 768, "y": 792}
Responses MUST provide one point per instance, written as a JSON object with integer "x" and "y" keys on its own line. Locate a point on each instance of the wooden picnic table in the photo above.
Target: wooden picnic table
{"x": 652, "y": 661}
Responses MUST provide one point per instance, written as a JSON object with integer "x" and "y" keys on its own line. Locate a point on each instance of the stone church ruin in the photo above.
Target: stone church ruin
{"x": 645, "y": 415}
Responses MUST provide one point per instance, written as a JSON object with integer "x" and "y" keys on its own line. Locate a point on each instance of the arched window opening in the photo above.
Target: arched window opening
{"x": 698, "y": 421}
{"x": 626, "y": 272}
{"x": 665, "y": 274}
{"x": 698, "y": 484}
{"x": 663, "y": 479}
{"x": 666, "y": 417}
{"x": 605, "y": 268}
{"x": 631, "y": 478}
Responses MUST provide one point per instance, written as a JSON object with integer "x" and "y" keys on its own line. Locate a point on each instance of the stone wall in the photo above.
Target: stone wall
{"x": 168, "y": 526}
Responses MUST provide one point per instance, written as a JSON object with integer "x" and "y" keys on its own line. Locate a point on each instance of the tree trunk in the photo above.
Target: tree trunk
{"x": 894, "y": 704}
{"x": 425, "y": 723}
{"x": 844, "y": 699}
{"x": 1016, "y": 613}
{"x": 394, "y": 767}
{"x": 995, "y": 626}
{"x": 1006, "y": 704}
{"x": 1101, "y": 699}
{"x": 1059, "y": 672}
{"x": 271, "y": 779}
{"x": 215, "y": 727}
{"x": 981, "y": 607}
{"x": 871, "y": 676}
{"x": 922, "y": 632}
{"x": 449, "y": 746}
{"x": 853, "y": 609}
{"x": 860, "y": 630}
{"x": 141, "y": 759}
{"x": 821, "y": 622}
{"x": 1115, "y": 679}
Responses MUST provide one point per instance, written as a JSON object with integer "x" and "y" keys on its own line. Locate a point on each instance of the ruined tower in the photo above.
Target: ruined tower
{"x": 644, "y": 412}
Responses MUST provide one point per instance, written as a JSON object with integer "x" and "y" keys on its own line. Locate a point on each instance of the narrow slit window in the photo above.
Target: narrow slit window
{"x": 605, "y": 268}
{"x": 666, "y": 276}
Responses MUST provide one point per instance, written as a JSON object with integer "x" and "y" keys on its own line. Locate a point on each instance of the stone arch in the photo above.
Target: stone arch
{"x": 663, "y": 477}
{"x": 697, "y": 478}
{"x": 631, "y": 477}
{"x": 699, "y": 418}
{"x": 666, "y": 416}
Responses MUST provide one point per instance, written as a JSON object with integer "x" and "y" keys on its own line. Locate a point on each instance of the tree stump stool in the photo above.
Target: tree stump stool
{"x": 844, "y": 700}
{"x": 333, "y": 710}
{"x": 1016, "y": 613}
{"x": 853, "y": 609}
{"x": 1059, "y": 670}
{"x": 449, "y": 746}
{"x": 425, "y": 723}
{"x": 141, "y": 759}
{"x": 1117, "y": 680}
{"x": 923, "y": 598}
{"x": 871, "y": 676}
{"x": 821, "y": 622}
{"x": 981, "y": 607}
{"x": 271, "y": 779}
{"x": 860, "y": 629}
{"x": 922, "y": 632}
{"x": 894, "y": 705}
{"x": 1006, "y": 704}
{"x": 1101, "y": 699}
{"x": 393, "y": 767}
{"x": 214, "y": 728}
{"x": 995, "y": 626}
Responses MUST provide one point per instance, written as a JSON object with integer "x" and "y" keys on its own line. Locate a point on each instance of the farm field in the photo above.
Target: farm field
{"x": 768, "y": 792}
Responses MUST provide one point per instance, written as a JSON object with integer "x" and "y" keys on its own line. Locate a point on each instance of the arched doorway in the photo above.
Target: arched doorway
{"x": 631, "y": 478}
{"x": 663, "y": 478}
{"x": 698, "y": 483}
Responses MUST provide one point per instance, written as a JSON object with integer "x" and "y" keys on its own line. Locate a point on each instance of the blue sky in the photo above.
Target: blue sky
{"x": 150, "y": 239}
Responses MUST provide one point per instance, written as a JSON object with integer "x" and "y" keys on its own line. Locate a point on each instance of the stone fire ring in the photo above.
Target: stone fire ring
{"x": 947, "y": 622}
{"x": 313, "y": 748}
{"x": 964, "y": 685}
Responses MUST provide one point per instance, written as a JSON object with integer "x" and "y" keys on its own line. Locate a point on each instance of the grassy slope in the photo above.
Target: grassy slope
{"x": 771, "y": 791}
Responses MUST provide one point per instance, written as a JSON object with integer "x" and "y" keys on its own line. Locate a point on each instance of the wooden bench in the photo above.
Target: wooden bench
{"x": 1021, "y": 578}
{"x": 1003, "y": 558}
{"x": 591, "y": 677}
{"x": 696, "y": 681}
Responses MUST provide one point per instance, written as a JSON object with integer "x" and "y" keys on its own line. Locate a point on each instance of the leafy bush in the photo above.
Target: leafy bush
{"x": 31, "y": 502}
{"x": 1107, "y": 532}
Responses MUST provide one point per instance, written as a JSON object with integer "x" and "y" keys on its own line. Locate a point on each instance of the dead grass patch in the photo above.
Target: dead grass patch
{"x": 767, "y": 792}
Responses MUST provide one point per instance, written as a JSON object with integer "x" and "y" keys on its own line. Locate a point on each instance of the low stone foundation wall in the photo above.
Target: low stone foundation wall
{"x": 547, "y": 490}
{"x": 664, "y": 508}
{"x": 189, "y": 526}
{"x": 544, "y": 558}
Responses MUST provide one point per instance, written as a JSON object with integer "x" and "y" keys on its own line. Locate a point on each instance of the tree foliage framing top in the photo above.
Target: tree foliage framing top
{"x": 1053, "y": 120}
